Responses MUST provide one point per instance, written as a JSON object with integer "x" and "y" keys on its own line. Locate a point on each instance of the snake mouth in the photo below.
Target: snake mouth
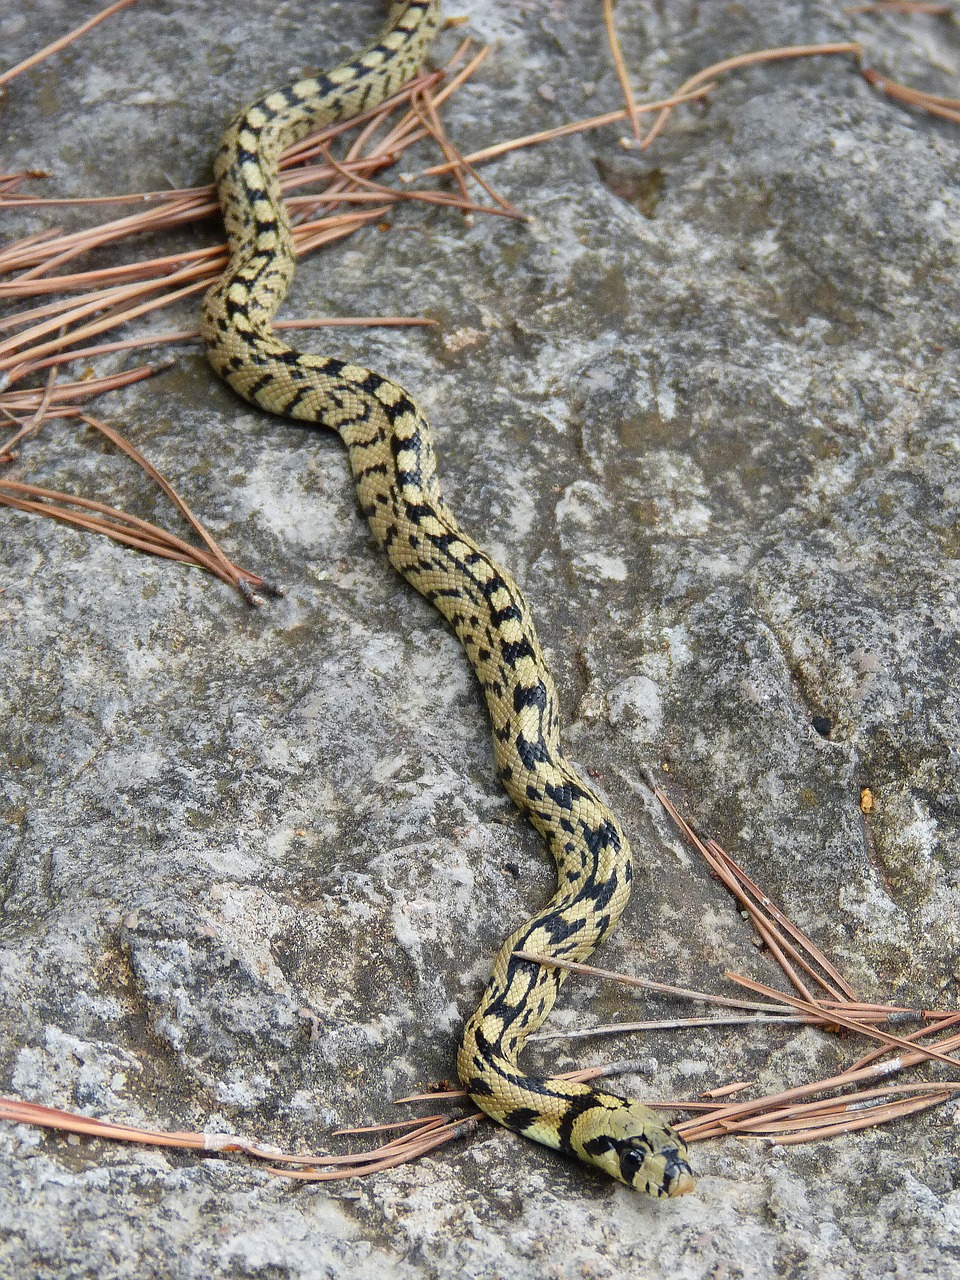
{"x": 677, "y": 1176}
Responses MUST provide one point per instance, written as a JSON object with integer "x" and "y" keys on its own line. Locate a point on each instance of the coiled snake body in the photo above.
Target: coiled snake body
{"x": 394, "y": 467}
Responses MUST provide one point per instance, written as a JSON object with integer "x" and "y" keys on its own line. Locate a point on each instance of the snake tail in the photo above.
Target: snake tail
{"x": 394, "y": 468}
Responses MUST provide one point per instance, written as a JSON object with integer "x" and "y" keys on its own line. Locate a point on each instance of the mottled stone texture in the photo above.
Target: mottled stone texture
{"x": 254, "y": 865}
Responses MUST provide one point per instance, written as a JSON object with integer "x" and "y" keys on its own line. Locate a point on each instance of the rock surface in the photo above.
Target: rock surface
{"x": 255, "y": 865}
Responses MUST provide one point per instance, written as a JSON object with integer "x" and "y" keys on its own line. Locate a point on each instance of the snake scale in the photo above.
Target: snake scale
{"x": 394, "y": 468}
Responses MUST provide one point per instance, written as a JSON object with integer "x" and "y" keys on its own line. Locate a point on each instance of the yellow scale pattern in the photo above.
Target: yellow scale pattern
{"x": 394, "y": 467}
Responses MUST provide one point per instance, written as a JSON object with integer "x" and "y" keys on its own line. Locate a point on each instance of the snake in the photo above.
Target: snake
{"x": 394, "y": 466}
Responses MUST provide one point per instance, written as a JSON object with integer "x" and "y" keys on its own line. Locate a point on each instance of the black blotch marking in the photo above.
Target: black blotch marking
{"x": 520, "y": 1119}
{"x": 417, "y": 511}
{"x": 532, "y": 753}
{"x": 530, "y": 696}
{"x": 602, "y": 837}
{"x": 575, "y": 1109}
{"x": 514, "y": 650}
{"x": 403, "y": 406}
{"x": 508, "y": 612}
{"x": 559, "y": 929}
{"x": 564, "y": 795}
{"x": 374, "y": 469}
{"x": 600, "y": 894}
{"x": 599, "y": 1146}
{"x": 261, "y": 384}
{"x": 368, "y": 442}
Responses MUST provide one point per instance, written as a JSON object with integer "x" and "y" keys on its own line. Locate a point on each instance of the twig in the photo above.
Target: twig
{"x": 821, "y": 1111}
{"x": 427, "y": 197}
{"x": 433, "y": 124}
{"x": 852, "y": 1024}
{"x": 374, "y": 1162}
{"x": 52, "y": 1118}
{"x": 672, "y": 1024}
{"x": 711, "y": 73}
{"x": 94, "y": 327}
{"x": 192, "y": 335}
{"x": 622, "y": 74}
{"x": 724, "y": 1090}
{"x": 901, "y": 6}
{"x": 777, "y": 930}
{"x": 63, "y": 41}
{"x": 29, "y": 428}
{"x": 942, "y": 1024}
{"x": 10, "y": 181}
{"x": 566, "y": 130}
{"x": 747, "y": 888}
{"x": 162, "y": 483}
{"x": 73, "y": 392}
{"x": 946, "y": 108}
{"x": 384, "y": 1128}
{"x": 877, "y": 1115}
{"x": 844, "y": 1079}
{"x": 663, "y": 988}
{"x": 128, "y": 529}
{"x": 118, "y": 525}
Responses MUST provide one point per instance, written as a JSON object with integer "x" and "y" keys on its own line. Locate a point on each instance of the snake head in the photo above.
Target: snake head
{"x": 632, "y": 1144}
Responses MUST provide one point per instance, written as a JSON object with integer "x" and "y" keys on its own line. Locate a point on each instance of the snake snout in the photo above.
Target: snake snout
{"x": 677, "y": 1175}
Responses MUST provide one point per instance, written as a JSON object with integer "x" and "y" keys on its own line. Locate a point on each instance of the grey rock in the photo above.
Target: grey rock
{"x": 255, "y": 865}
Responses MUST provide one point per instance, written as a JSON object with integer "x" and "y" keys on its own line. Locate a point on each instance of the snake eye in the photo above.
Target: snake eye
{"x": 632, "y": 1160}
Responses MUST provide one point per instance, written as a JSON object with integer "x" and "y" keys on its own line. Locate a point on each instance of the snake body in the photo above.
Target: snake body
{"x": 394, "y": 468}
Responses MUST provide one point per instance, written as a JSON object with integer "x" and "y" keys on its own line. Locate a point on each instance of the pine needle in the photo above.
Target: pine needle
{"x": 63, "y": 41}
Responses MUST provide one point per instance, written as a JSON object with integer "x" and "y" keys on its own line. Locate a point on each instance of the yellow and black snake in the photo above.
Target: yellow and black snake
{"x": 394, "y": 467}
